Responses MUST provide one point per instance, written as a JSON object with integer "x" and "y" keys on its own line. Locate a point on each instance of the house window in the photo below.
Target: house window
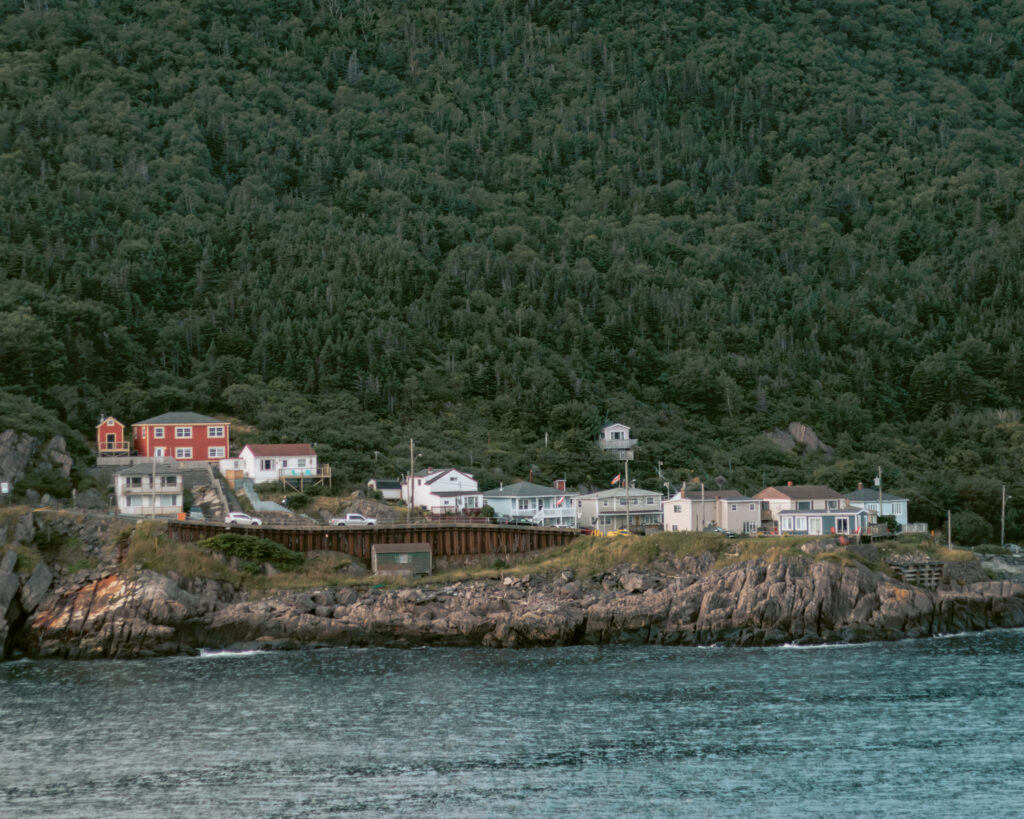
{"x": 453, "y": 478}
{"x": 677, "y": 508}
{"x": 403, "y": 558}
{"x": 183, "y": 432}
{"x": 675, "y": 528}
{"x": 842, "y": 526}
{"x": 524, "y": 503}
{"x": 604, "y": 503}
{"x": 833, "y": 504}
{"x": 650, "y": 501}
{"x": 215, "y": 432}
{"x": 135, "y": 482}
{"x": 751, "y": 507}
{"x": 800, "y": 523}
{"x": 158, "y": 432}
{"x": 266, "y": 465}
{"x": 110, "y": 422}
{"x": 734, "y": 507}
{"x": 301, "y": 462}
{"x": 169, "y": 480}
{"x": 183, "y": 453}
{"x": 216, "y": 452}
{"x": 803, "y": 504}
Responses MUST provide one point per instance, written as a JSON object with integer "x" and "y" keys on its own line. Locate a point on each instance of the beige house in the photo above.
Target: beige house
{"x": 802, "y": 497}
{"x": 606, "y": 510}
{"x": 694, "y": 511}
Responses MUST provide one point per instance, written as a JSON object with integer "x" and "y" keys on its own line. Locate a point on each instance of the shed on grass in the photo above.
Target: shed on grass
{"x": 401, "y": 559}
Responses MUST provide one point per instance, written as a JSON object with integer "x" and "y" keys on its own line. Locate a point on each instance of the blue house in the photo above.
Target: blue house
{"x": 850, "y": 521}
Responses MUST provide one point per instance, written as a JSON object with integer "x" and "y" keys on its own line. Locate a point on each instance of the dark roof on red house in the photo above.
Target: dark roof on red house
{"x": 181, "y": 418}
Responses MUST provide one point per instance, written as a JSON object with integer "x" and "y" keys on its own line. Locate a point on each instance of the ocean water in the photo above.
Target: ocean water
{"x": 916, "y": 728}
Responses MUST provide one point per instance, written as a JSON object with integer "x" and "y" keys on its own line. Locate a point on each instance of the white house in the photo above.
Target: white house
{"x": 544, "y": 505}
{"x": 606, "y": 510}
{"x": 389, "y": 489}
{"x": 444, "y": 491}
{"x": 264, "y": 463}
{"x": 694, "y": 511}
{"x": 890, "y": 505}
{"x": 150, "y": 489}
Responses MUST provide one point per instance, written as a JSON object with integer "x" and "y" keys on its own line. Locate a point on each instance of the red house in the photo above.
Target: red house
{"x": 184, "y": 436}
{"x": 110, "y": 438}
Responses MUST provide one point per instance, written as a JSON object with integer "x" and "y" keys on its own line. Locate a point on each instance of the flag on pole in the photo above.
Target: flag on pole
{"x": 616, "y": 479}
{"x": 560, "y": 501}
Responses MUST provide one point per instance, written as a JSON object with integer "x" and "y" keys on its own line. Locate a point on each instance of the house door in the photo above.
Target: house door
{"x": 158, "y": 452}
{"x": 814, "y": 526}
{"x": 111, "y": 440}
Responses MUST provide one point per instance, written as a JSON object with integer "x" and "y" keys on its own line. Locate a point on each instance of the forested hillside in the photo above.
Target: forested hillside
{"x": 479, "y": 222}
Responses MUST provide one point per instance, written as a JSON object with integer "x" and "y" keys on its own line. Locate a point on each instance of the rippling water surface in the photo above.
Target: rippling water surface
{"x": 926, "y": 728}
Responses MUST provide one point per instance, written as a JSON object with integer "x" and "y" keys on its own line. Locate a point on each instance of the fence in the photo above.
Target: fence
{"x": 446, "y": 539}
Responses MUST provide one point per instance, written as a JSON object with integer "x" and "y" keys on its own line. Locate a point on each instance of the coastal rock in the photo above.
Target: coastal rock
{"x": 755, "y": 602}
{"x": 36, "y": 587}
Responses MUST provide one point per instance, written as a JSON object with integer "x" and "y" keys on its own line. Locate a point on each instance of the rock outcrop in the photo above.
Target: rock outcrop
{"x": 677, "y": 602}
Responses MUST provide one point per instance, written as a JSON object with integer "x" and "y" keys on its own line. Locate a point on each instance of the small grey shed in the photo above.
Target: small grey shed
{"x": 402, "y": 559}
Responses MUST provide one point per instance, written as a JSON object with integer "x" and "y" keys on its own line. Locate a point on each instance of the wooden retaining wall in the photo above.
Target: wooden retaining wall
{"x": 447, "y": 540}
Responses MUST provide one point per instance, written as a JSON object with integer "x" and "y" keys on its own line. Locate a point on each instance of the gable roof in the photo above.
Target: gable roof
{"x": 164, "y": 467}
{"x": 270, "y": 450}
{"x": 710, "y": 495}
{"x": 181, "y": 418}
{"x": 525, "y": 489}
{"x": 868, "y": 495}
{"x": 107, "y": 419}
{"x": 617, "y": 492}
{"x": 432, "y": 475}
{"x": 800, "y": 492}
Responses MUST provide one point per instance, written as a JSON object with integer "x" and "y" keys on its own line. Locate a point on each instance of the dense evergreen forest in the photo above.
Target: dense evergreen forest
{"x": 493, "y": 225}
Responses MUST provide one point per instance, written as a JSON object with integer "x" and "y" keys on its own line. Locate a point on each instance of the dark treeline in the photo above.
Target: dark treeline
{"x": 479, "y": 222}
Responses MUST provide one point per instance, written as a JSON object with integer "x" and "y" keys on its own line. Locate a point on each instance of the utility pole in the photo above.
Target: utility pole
{"x": 627, "y": 494}
{"x": 949, "y": 528}
{"x": 412, "y": 457}
{"x": 879, "y": 494}
{"x": 702, "y": 521}
{"x": 1002, "y": 520}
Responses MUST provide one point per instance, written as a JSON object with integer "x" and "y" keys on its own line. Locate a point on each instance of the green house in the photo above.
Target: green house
{"x": 402, "y": 559}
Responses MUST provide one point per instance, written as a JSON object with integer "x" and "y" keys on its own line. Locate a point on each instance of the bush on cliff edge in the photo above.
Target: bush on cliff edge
{"x": 252, "y": 552}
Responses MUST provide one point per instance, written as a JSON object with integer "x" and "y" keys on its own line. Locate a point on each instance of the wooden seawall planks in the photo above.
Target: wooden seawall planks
{"x": 445, "y": 539}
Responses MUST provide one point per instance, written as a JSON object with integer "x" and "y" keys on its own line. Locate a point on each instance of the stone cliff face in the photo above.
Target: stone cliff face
{"x": 687, "y": 603}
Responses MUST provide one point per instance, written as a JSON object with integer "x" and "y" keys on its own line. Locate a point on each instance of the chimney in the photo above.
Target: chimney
{"x": 789, "y": 483}
{"x": 860, "y": 484}
{"x": 560, "y": 484}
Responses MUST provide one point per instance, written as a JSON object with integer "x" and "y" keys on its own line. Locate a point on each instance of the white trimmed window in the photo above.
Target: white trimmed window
{"x": 183, "y": 453}
{"x": 183, "y": 432}
{"x": 216, "y": 452}
{"x": 158, "y": 432}
{"x": 215, "y": 432}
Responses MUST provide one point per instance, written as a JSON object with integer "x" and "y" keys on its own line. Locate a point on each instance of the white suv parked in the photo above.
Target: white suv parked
{"x": 243, "y": 519}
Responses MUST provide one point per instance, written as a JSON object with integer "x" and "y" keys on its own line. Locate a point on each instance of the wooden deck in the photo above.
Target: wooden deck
{"x": 447, "y": 540}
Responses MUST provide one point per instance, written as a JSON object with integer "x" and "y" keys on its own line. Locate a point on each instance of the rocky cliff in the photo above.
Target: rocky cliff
{"x": 684, "y": 601}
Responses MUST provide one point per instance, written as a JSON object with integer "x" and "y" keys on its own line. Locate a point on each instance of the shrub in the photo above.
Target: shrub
{"x": 253, "y": 551}
{"x": 45, "y": 482}
{"x": 298, "y": 501}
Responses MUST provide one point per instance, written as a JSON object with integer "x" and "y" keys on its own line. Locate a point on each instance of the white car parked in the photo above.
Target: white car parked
{"x": 242, "y": 519}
